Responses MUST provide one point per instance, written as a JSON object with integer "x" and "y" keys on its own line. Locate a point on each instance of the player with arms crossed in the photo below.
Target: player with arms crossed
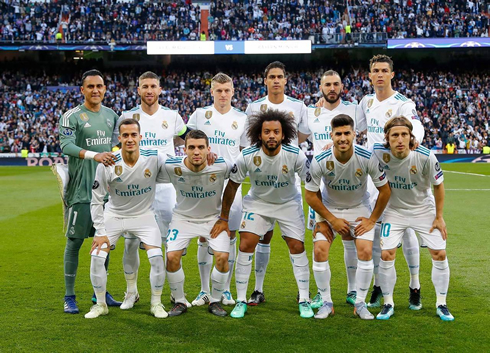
{"x": 131, "y": 185}
{"x": 319, "y": 119}
{"x": 275, "y": 79}
{"x": 159, "y": 126}
{"x": 372, "y": 114}
{"x": 225, "y": 128}
{"x": 272, "y": 164}
{"x": 199, "y": 188}
{"x": 343, "y": 202}
{"x": 411, "y": 172}
{"x": 86, "y": 137}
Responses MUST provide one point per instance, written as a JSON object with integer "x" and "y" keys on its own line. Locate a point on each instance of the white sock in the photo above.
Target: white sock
{"x": 242, "y": 274}
{"x": 301, "y": 272}
{"x": 440, "y": 278}
{"x": 98, "y": 275}
{"x": 218, "y": 280}
{"x": 376, "y": 254}
{"x": 231, "y": 263}
{"x": 176, "y": 283}
{"x": 411, "y": 250}
{"x": 387, "y": 280}
{"x": 350, "y": 259}
{"x": 322, "y": 274}
{"x": 262, "y": 256}
{"x": 131, "y": 263}
{"x": 363, "y": 279}
{"x": 205, "y": 261}
{"x": 157, "y": 274}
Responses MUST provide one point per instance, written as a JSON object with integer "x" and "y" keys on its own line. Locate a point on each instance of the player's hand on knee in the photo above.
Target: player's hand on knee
{"x": 219, "y": 227}
{"x": 211, "y": 158}
{"x": 364, "y": 226}
{"x": 98, "y": 243}
{"x": 324, "y": 228}
{"x": 106, "y": 158}
{"x": 341, "y": 226}
{"x": 440, "y": 224}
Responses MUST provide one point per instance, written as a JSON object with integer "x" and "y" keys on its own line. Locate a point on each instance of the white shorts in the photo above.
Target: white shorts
{"x": 181, "y": 232}
{"x": 259, "y": 217}
{"x": 395, "y": 223}
{"x": 145, "y": 228}
{"x": 350, "y": 215}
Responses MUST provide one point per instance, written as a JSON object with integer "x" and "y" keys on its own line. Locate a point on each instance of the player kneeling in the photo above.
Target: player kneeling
{"x": 410, "y": 175}
{"x": 343, "y": 202}
{"x": 131, "y": 184}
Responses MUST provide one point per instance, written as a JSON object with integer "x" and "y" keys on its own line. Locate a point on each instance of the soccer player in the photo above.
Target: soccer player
{"x": 373, "y": 112}
{"x": 131, "y": 186}
{"x": 411, "y": 172}
{"x": 86, "y": 137}
{"x": 272, "y": 163}
{"x": 275, "y": 80}
{"x": 159, "y": 126}
{"x": 319, "y": 119}
{"x": 199, "y": 188}
{"x": 225, "y": 127}
{"x": 344, "y": 203}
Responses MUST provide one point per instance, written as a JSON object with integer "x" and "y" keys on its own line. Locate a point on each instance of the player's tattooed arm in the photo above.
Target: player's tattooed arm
{"x": 324, "y": 228}
{"x": 439, "y": 222}
{"x": 366, "y": 224}
{"x": 314, "y": 199}
{"x": 228, "y": 197}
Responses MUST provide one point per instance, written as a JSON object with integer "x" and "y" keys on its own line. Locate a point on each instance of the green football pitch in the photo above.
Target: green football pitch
{"x": 32, "y": 289}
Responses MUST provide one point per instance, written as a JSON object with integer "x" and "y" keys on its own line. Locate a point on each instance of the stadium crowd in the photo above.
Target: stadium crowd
{"x": 325, "y": 21}
{"x": 453, "y": 108}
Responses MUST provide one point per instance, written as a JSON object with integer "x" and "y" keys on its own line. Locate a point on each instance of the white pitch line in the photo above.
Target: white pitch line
{"x": 467, "y": 189}
{"x": 452, "y": 171}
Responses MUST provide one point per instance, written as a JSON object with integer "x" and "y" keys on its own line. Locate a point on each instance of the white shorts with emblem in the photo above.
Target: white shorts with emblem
{"x": 350, "y": 215}
{"x": 181, "y": 232}
{"x": 144, "y": 227}
{"x": 259, "y": 217}
{"x": 397, "y": 221}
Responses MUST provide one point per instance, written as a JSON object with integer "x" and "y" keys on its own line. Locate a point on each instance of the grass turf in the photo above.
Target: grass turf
{"x": 32, "y": 289}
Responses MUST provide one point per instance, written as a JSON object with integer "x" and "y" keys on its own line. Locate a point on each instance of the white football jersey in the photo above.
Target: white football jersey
{"x": 224, "y": 131}
{"x": 131, "y": 189}
{"x": 293, "y": 107}
{"x": 344, "y": 185}
{"x": 319, "y": 119}
{"x": 198, "y": 194}
{"x": 410, "y": 178}
{"x": 157, "y": 130}
{"x": 272, "y": 178}
{"x": 372, "y": 116}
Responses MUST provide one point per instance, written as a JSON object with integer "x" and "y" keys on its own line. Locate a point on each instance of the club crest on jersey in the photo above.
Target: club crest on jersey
{"x": 208, "y": 114}
{"x": 165, "y": 124}
{"x": 234, "y": 126}
{"x": 257, "y": 160}
{"x": 263, "y": 108}
{"x": 147, "y": 173}
{"x": 118, "y": 170}
{"x": 389, "y": 113}
{"x": 285, "y": 169}
{"x": 213, "y": 178}
{"x": 413, "y": 170}
{"x": 136, "y": 117}
{"x": 242, "y": 225}
{"x": 370, "y": 103}
{"x": 84, "y": 117}
{"x": 178, "y": 171}
{"x": 358, "y": 173}
{"x": 386, "y": 157}
{"x": 318, "y": 111}
{"x": 330, "y": 165}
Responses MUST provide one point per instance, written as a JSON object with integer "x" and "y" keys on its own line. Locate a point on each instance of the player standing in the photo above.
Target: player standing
{"x": 411, "y": 172}
{"x": 86, "y": 137}
{"x": 225, "y": 127}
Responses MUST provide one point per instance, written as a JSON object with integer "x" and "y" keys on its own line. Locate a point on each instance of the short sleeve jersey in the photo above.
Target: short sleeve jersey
{"x": 224, "y": 131}
{"x": 91, "y": 131}
{"x": 294, "y": 107}
{"x": 345, "y": 184}
{"x": 198, "y": 194}
{"x": 272, "y": 178}
{"x": 372, "y": 116}
{"x": 410, "y": 178}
